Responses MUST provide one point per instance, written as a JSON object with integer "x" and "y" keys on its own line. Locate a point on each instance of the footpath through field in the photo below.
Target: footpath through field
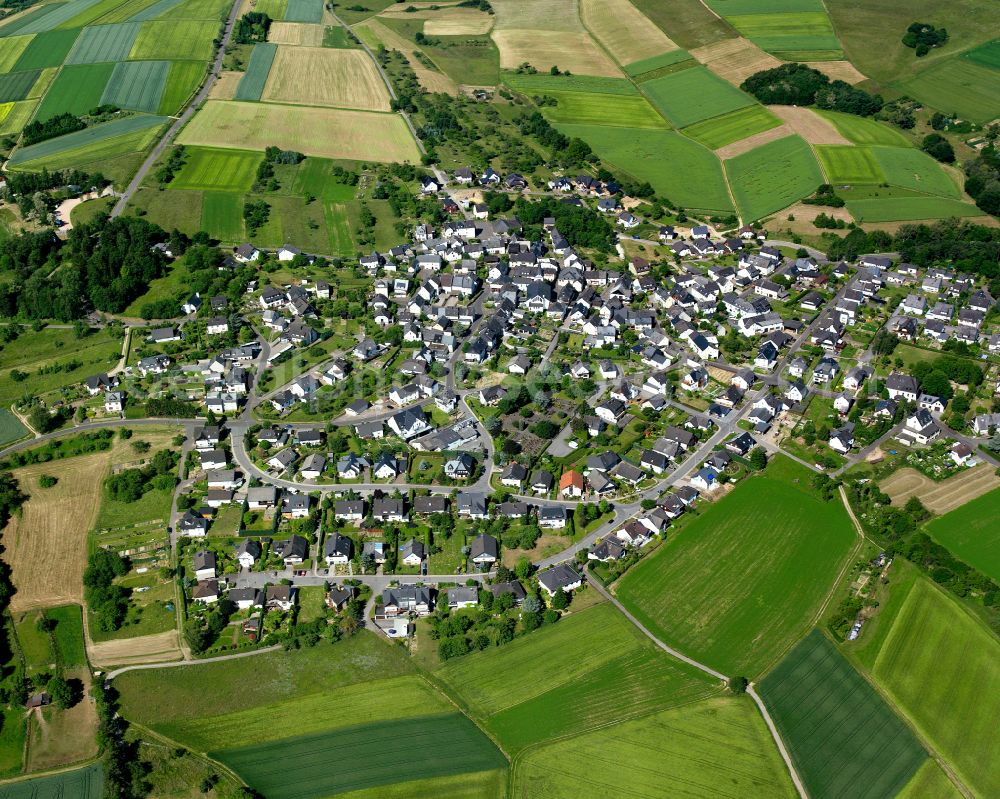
{"x": 719, "y": 676}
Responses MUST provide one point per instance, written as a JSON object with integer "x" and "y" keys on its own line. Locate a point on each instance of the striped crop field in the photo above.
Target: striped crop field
{"x": 17, "y": 85}
{"x": 845, "y": 740}
{"x": 86, "y": 139}
{"x": 355, "y": 758}
{"x": 103, "y": 43}
{"x": 137, "y": 85}
{"x": 252, "y": 83}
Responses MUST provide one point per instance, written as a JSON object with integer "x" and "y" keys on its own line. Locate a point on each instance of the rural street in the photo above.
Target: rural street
{"x": 184, "y": 116}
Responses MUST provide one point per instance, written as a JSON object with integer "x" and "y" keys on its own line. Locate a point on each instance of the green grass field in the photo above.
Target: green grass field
{"x": 175, "y": 39}
{"x": 678, "y": 168}
{"x": 987, "y": 55}
{"x": 76, "y": 90}
{"x": 694, "y": 95}
{"x": 474, "y": 785}
{"x": 182, "y": 81}
{"x": 905, "y": 209}
{"x": 131, "y": 134}
{"x": 849, "y": 164}
{"x": 737, "y": 125}
{"x": 378, "y": 700}
{"x": 11, "y": 428}
{"x": 54, "y": 347}
{"x": 645, "y": 65}
{"x": 82, "y": 783}
{"x": 930, "y": 781}
{"x": 214, "y": 689}
{"x": 745, "y": 579}
{"x": 103, "y": 43}
{"x": 137, "y": 85}
{"x": 69, "y": 635}
{"x": 12, "y": 733}
{"x": 861, "y": 130}
{"x": 313, "y": 176}
{"x": 942, "y": 668}
{"x": 222, "y": 215}
{"x": 17, "y": 116}
{"x": 602, "y": 109}
{"x": 844, "y": 739}
{"x": 583, "y": 690}
{"x": 543, "y": 84}
{"x": 716, "y": 748}
{"x": 125, "y": 11}
{"x": 336, "y": 36}
{"x": 970, "y": 532}
{"x": 915, "y": 169}
{"x": 154, "y": 505}
{"x": 27, "y": 23}
{"x": 356, "y": 757}
{"x": 215, "y": 169}
{"x": 338, "y": 229}
{"x": 253, "y": 80}
{"x": 47, "y": 50}
{"x": 773, "y": 176}
{"x": 304, "y": 11}
{"x": 474, "y": 60}
{"x": 801, "y": 32}
{"x": 958, "y": 86}
{"x": 170, "y": 209}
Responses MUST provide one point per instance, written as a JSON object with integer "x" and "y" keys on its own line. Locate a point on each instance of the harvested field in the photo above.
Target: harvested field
{"x": 300, "y": 34}
{"x": 552, "y": 15}
{"x": 543, "y": 49}
{"x": 735, "y": 59}
{"x": 457, "y": 22}
{"x": 46, "y": 546}
{"x": 430, "y": 79}
{"x": 809, "y": 125}
{"x": 322, "y": 76}
{"x": 944, "y": 496}
{"x": 624, "y": 30}
{"x": 159, "y": 648}
{"x": 750, "y": 142}
{"x": 326, "y": 132}
{"x": 225, "y": 86}
{"x": 839, "y": 70}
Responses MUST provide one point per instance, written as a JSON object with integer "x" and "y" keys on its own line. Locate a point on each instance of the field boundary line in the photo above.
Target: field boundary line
{"x": 792, "y": 773}
{"x": 932, "y": 752}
